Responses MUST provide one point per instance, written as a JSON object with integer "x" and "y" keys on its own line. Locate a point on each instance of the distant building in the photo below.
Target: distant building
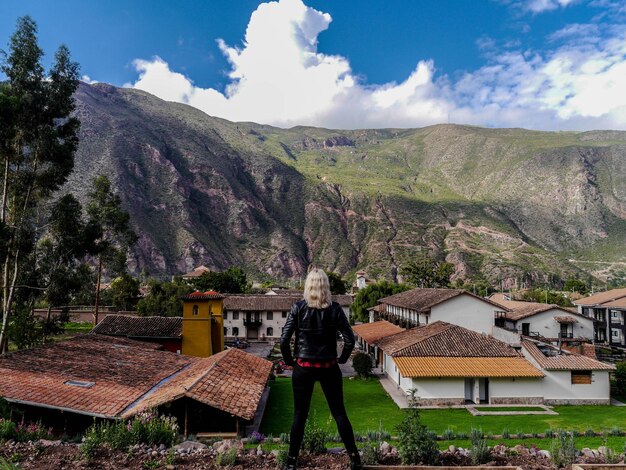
{"x": 262, "y": 317}
{"x": 203, "y": 323}
{"x": 423, "y": 306}
{"x": 548, "y": 322}
{"x": 361, "y": 282}
{"x": 166, "y": 331}
{"x": 608, "y": 310}
{"x": 196, "y": 273}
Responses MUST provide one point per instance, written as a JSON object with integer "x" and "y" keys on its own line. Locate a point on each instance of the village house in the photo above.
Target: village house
{"x": 195, "y": 273}
{"x": 67, "y": 384}
{"x": 450, "y": 365}
{"x": 548, "y": 322}
{"x": 261, "y": 316}
{"x": 571, "y": 379}
{"x": 368, "y": 336}
{"x": 361, "y": 282}
{"x": 166, "y": 331}
{"x": 447, "y": 364}
{"x": 608, "y": 309}
{"x": 423, "y": 306}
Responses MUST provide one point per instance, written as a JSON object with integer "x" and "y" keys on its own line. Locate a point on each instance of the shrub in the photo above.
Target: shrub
{"x": 615, "y": 431}
{"x": 281, "y": 458}
{"x": 479, "y": 451}
{"x": 145, "y": 428}
{"x": 549, "y": 433}
{"x": 8, "y": 465}
{"x": 314, "y": 440}
{"x": 284, "y": 438}
{"x": 22, "y": 431}
{"x": 620, "y": 377}
{"x": 227, "y": 459}
{"x": 590, "y": 432}
{"x": 415, "y": 443}
{"x": 563, "y": 450}
{"x": 505, "y": 433}
{"x": 371, "y": 453}
{"x": 448, "y": 435}
{"x": 362, "y": 364}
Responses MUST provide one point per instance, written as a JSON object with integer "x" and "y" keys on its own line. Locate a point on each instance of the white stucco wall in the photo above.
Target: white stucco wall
{"x": 557, "y": 385}
{"x": 545, "y": 324}
{"x": 506, "y": 336}
{"x": 515, "y": 388}
{"x": 439, "y": 388}
{"x": 466, "y": 311}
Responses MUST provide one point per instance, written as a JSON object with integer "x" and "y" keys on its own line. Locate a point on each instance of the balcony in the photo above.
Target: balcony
{"x": 252, "y": 321}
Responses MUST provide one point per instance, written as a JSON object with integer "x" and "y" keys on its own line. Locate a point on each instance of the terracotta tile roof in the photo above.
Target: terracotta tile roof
{"x": 197, "y": 272}
{"x": 422, "y": 300}
{"x": 377, "y": 308}
{"x": 441, "y": 339}
{"x": 519, "y": 309}
{"x": 232, "y": 381}
{"x": 371, "y": 333}
{"x": 275, "y": 303}
{"x": 140, "y": 327}
{"x": 466, "y": 367}
{"x": 120, "y": 377}
{"x": 210, "y": 294}
{"x": 565, "y": 319}
{"x": 602, "y": 297}
{"x": 564, "y": 361}
{"x": 619, "y": 303}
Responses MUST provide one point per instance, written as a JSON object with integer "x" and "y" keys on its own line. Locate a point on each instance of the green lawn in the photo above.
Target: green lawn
{"x": 368, "y": 404}
{"x": 366, "y": 401}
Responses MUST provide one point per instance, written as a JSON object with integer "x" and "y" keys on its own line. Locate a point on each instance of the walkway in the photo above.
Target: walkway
{"x": 396, "y": 394}
{"x": 615, "y": 402}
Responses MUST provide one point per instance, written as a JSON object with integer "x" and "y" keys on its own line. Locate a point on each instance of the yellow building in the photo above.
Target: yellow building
{"x": 203, "y": 323}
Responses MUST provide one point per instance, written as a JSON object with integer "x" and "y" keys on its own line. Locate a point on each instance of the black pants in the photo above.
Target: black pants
{"x": 330, "y": 379}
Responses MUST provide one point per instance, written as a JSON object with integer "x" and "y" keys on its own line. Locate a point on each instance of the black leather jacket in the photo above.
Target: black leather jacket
{"x": 316, "y": 333}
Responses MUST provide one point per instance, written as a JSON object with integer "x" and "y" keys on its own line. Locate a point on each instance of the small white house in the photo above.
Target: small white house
{"x": 570, "y": 378}
{"x": 423, "y": 306}
{"x": 450, "y": 365}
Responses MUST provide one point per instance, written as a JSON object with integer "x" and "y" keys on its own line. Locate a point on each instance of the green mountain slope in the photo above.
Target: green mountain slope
{"x": 506, "y": 203}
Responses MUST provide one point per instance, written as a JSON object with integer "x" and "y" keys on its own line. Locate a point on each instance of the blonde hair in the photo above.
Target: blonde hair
{"x": 317, "y": 289}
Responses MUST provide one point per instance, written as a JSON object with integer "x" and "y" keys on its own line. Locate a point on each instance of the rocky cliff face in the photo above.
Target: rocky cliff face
{"x": 506, "y": 203}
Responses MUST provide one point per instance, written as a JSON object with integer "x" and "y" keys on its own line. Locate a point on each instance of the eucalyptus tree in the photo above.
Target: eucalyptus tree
{"x": 38, "y": 140}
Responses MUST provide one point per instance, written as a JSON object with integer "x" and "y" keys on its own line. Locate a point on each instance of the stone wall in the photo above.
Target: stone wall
{"x": 516, "y": 401}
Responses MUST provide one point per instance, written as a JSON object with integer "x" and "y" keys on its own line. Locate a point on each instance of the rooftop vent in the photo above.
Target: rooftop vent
{"x": 80, "y": 383}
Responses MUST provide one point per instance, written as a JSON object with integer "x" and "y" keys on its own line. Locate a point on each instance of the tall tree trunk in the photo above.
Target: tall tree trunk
{"x": 97, "y": 305}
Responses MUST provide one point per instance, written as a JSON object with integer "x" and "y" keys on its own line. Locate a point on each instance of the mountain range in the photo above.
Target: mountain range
{"x": 503, "y": 205}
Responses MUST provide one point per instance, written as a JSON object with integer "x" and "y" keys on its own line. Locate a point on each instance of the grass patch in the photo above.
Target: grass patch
{"x": 508, "y": 408}
{"x": 366, "y": 401}
{"x": 368, "y": 405}
{"x": 570, "y": 417}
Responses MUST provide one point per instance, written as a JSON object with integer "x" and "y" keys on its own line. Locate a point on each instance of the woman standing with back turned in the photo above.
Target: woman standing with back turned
{"x": 315, "y": 322}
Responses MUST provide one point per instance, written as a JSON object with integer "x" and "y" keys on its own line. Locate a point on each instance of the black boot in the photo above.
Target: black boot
{"x": 355, "y": 462}
{"x": 291, "y": 463}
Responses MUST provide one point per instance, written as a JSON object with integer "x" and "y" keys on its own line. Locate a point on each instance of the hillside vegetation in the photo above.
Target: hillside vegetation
{"x": 500, "y": 204}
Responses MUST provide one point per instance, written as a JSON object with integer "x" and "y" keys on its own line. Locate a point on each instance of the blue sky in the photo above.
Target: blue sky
{"x": 543, "y": 64}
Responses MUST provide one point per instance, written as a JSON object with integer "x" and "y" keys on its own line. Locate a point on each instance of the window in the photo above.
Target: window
{"x": 225, "y": 331}
{"x": 615, "y": 333}
{"x": 581, "y": 377}
{"x": 270, "y": 331}
{"x": 284, "y": 314}
{"x": 235, "y": 331}
{"x": 225, "y": 315}
{"x": 195, "y": 310}
{"x": 235, "y": 315}
{"x": 526, "y": 329}
{"x": 270, "y": 316}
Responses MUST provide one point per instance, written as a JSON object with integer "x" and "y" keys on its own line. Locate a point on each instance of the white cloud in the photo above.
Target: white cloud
{"x": 278, "y": 77}
{"x": 87, "y": 79}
